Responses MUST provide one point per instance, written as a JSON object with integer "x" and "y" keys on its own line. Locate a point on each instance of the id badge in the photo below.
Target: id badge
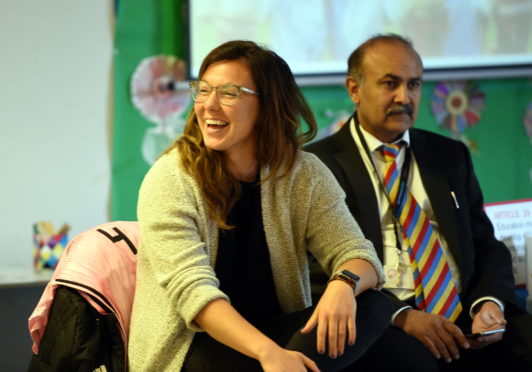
{"x": 397, "y": 278}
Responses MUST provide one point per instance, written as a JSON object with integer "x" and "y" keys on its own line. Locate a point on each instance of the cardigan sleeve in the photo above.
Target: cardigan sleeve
{"x": 333, "y": 234}
{"x": 175, "y": 239}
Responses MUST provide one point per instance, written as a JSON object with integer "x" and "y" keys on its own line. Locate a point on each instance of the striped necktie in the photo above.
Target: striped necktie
{"x": 435, "y": 289}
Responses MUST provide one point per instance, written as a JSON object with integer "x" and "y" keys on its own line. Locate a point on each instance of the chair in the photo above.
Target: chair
{"x": 81, "y": 321}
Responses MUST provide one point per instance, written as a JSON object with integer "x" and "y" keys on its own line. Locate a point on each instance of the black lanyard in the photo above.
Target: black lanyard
{"x": 403, "y": 180}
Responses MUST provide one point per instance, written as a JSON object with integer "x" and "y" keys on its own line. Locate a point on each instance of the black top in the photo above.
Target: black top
{"x": 243, "y": 262}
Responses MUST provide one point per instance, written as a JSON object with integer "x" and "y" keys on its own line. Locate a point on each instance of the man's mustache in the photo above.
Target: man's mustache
{"x": 400, "y": 109}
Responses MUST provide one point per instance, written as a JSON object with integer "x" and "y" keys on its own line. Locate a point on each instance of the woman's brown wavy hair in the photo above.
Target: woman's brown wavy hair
{"x": 279, "y": 135}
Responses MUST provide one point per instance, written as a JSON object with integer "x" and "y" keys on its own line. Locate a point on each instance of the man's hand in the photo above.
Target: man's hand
{"x": 335, "y": 317}
{"x": 436, "y": 332}
{"x": 487, "y": 318}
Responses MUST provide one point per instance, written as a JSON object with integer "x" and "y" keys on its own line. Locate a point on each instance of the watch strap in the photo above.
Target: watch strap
{"x": 347, "y": 277}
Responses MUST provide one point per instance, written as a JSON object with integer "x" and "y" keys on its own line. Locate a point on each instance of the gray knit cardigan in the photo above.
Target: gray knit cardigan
{"x": 175, "y": 276}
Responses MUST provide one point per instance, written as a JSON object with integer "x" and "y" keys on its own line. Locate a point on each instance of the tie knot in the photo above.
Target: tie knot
{"x": 390, "y": 151}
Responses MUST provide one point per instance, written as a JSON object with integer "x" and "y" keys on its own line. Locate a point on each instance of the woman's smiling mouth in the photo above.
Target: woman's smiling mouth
{"x": 214, "y": 123}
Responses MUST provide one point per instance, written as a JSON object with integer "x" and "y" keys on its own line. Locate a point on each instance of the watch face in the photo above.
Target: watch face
{"x": 352, "y": 276}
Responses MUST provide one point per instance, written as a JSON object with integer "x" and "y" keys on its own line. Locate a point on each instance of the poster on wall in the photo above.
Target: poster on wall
{"x": 528, "y": 253}
{"x": 512, "y": 222}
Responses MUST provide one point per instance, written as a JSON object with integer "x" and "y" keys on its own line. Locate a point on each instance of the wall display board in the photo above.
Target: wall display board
{"x": 512, "y": 222}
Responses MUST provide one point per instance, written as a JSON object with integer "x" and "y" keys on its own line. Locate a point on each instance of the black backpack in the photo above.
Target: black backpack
{"x": 78, "y": 338}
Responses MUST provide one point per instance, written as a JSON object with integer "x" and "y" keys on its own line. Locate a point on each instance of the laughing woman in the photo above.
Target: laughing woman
{"x": 227, "y": 216}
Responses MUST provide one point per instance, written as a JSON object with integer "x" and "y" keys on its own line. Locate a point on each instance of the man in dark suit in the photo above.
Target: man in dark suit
{"x": 384, "y": 81}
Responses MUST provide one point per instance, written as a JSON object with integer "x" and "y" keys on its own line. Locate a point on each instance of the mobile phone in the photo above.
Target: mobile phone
{"x": 485, "y": 333}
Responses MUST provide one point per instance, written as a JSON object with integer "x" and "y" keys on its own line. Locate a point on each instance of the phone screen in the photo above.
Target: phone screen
{"x": 485, "y": 333}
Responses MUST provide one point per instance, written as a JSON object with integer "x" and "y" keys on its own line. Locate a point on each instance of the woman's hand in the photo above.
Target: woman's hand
{"x": 277, "y": 359}
{"x": 237, "y": 333}
{"x": 335, "y": 317}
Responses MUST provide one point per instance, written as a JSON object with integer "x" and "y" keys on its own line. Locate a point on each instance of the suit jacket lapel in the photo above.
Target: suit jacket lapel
{"x": 366, "y": 211}
{"x": 432, "y": 171}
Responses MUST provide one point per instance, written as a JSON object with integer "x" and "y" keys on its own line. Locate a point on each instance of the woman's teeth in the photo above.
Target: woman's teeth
{"x": 215, "y": 123}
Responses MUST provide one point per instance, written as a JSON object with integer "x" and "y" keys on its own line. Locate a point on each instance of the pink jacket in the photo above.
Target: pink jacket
{"x": 100, "y": 262}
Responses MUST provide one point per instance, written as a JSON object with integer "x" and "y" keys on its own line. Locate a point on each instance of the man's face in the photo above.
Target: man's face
{"x": 387, "y": 97}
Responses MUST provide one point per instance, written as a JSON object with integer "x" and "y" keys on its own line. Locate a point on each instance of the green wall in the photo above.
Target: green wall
{"x": 502, "y": 158}
{"x": 143, "y": 29}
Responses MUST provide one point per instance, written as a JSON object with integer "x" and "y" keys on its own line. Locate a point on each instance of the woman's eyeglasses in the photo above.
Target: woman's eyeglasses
{"x": 228, "y": 94}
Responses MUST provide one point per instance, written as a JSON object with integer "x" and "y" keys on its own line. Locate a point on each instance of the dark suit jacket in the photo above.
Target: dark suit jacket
{"x": 445, "y": 165}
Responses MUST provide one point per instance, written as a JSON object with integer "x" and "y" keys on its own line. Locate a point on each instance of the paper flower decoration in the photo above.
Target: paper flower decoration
{"x": 457, "y": 105}
{"x": 159, "y": 91}
{"x": 157, "y": 87}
